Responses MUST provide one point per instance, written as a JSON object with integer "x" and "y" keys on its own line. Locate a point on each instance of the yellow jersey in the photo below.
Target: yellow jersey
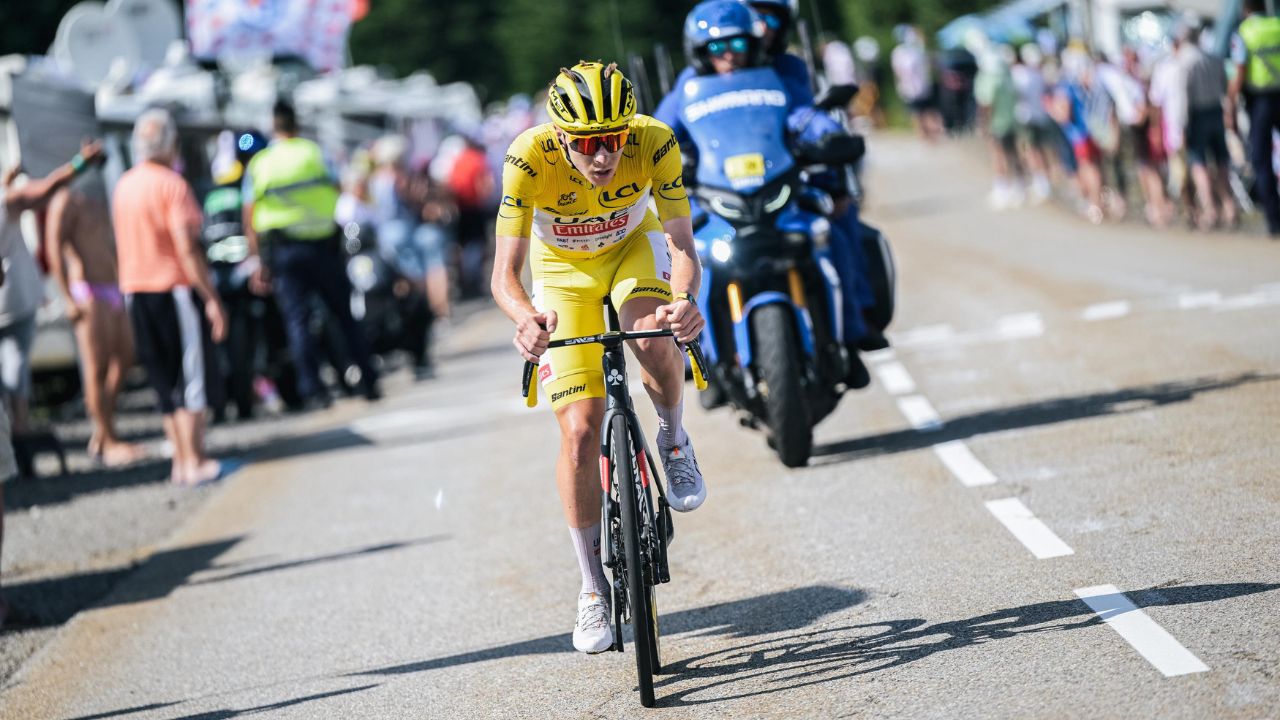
{"x": 545, "y": 197}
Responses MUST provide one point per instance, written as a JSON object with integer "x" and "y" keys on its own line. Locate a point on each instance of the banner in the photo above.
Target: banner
{"x": 231, "y": 30}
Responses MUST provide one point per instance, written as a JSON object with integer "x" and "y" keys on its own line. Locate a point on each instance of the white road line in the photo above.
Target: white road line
{"x": 1194, "y": 301}
{"x": 924, "y": 335}
{"x": 895, "y": 378}
{"x": 920, "y": 413}
{"x": 879, "y": 356}
{"x": 1106, "y": 311}
{"x": 1138, "y": 629}
{"x": 968, "y": 469}
{"x": 1022, "y": 325}
{"x": 1029, "y": 530}
{"x": 1243, "y": 302}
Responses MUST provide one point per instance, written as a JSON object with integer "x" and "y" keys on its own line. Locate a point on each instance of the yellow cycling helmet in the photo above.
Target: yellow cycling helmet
{"x": 591, "y": 98}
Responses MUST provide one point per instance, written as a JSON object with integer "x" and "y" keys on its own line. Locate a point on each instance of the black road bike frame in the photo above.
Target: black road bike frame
{"x": 636, "y": 531}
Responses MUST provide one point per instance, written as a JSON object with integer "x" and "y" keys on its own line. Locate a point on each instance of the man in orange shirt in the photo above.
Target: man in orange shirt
{"x": 175, "y": 311}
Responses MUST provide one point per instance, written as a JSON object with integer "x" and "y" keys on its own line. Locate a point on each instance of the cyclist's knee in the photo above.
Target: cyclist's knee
{"x": 579, "y": 430}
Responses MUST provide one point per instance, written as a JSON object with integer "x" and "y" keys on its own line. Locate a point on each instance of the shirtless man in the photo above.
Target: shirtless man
{"x": 82, "y": 258}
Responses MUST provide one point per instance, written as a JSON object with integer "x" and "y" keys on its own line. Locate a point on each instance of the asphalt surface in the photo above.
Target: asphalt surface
{"x": 1058, "y": 499}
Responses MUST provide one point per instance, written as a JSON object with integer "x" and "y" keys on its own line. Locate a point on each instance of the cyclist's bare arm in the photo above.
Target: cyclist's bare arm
{"x": 686, "y": 275}
{"x": 533, "y": 329}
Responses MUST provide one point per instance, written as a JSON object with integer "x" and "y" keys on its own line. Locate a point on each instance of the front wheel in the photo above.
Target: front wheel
{"x": 779, "y": 372}
{"x": 644, "y": 617}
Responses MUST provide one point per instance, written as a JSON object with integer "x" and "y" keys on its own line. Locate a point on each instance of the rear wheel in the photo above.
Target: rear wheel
{"x": 643, "y": 614}
{"x": 779, "y": 372}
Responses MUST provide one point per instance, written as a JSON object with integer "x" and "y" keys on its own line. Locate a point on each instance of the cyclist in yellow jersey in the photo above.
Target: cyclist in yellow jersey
{"x": 580, "y": 188}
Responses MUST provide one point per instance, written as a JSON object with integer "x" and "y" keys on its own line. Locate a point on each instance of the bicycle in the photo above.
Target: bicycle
{"x": 636, "y": 535}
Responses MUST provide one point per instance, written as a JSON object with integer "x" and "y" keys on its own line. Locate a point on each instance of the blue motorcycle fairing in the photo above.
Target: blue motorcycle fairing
{"x": 756, "y": 151}
{"x": 742, "y": 328}
{"x": 708, "y": 337}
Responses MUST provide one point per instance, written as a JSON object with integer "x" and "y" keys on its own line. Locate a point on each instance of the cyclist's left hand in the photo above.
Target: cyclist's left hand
{"x": 684, "y": 319}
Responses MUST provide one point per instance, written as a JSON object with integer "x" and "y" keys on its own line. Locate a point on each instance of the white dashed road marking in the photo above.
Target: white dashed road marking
{"x": 968, "y": 469}
{"x": 895, "y": 378}
{"x": 1022, "y": 325}
{"x": 925, "y": 335}
{"x": 920, "y": 413}
{"x": 1029, "y": 530}
{"x": 1107, "y": 311}
{"x": 1138, "y": 629}
{"x": 1194, "y": 301}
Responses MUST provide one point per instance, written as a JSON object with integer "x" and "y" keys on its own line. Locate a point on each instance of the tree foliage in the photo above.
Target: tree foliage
{"x": 507, "y": 46}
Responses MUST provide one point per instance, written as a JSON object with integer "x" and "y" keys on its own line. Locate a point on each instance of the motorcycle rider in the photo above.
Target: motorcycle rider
{"x": 724, "y": 36}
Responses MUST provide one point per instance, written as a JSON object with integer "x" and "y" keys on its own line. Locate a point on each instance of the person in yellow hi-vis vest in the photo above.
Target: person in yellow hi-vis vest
{"x": 1256, "y": 54}
{"x": 289, "y": 199}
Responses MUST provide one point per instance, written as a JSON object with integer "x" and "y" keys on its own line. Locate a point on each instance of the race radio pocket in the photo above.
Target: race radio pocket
{"x": 744, "y": 167}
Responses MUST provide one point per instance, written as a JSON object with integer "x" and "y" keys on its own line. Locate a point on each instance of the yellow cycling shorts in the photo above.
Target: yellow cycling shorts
{"x": 575, "y": 287}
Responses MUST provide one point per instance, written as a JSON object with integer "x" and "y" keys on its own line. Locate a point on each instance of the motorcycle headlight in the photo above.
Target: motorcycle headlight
{"x": 821, "y": 231}
{"x": 362, "y": 273}
{"x": 721, "y": 250}
{"x": 779, "y": 200}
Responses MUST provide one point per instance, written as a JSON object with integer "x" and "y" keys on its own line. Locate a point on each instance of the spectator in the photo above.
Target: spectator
{"x": 914, "y": 78}
{"x": 82, "y": 259}
{"x": 1033, "y": 122}
{"x": 837, "y": 61}
{"x": 290, "y": 197}
{"x": 997, "y": 97}
{"x": 1206, "y": 92}
{"x": 415, "y": 244}
{"x": 1068, "y": 108}
{"x": 472, "y": 185}
{"x": 1253, "y": 51}
{"x": 1168, "y": 95}
{"x": 175, "y": 310}
{"x": 870, "y": 80}
{"x": 23, "y": 293}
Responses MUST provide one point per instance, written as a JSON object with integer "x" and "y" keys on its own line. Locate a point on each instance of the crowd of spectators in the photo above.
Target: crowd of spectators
{"x": 1152, "y": 130}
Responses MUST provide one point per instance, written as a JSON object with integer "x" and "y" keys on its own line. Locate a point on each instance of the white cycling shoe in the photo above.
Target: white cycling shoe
{"x": 685, "y": 489}
{"x": 593, "y": 631}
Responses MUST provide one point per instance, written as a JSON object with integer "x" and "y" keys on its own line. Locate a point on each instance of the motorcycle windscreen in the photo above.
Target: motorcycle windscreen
{"x": 739, "y": 124}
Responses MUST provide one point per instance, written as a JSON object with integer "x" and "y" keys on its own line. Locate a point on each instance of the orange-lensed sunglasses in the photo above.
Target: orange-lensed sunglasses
{"x": 591, "y": 144}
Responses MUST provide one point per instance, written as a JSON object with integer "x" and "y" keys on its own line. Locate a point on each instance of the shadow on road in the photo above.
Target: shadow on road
{"x": 228, "y": 713}
{"x": 811, "y": 658}
{"x": 372, "y": 549}
{"x": 21, "y": 495}
{"x": 763, "y": 615}
{"x": 41, "y": 603}
{"x": 1047, "y": 412}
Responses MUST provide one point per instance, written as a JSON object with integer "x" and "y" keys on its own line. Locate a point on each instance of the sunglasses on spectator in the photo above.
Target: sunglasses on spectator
{"x": 734, "y": 44}
{"x": 773, "y": 21}
{"x": 591, "y": 144}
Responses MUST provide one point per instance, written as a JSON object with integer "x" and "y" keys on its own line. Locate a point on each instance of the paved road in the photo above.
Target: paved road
{"x": 1058, "y": 500}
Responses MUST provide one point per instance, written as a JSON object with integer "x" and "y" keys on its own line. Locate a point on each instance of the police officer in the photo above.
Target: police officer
{"x": 1256, "y": 52}
{"x": 289, "y": 199}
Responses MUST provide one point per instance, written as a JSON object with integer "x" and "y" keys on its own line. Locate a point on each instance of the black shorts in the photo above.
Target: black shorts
{"x": 172, "y": 338}
{"x": 923, "y": 104}
{"x": 1207, "y": 135}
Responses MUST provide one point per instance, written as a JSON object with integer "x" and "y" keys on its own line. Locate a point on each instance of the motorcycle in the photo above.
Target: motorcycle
{"x": 392, "y": 309}
{"x": 256, "y": 346}
{"x": 771, "y": 293}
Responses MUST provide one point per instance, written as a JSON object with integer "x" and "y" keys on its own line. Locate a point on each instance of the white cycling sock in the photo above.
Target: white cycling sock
{"x": 586, "y": 543}
{"x": 670, "y": 430}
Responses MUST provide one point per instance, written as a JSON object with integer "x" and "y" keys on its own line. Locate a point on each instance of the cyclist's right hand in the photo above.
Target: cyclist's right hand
{"x": 533, "y": 333}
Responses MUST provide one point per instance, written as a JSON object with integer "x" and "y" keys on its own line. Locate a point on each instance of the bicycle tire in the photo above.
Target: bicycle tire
{"x": 642, "y": 610}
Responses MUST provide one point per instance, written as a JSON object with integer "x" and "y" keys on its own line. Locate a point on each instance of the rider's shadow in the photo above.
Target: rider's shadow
{"x": 823, "y": 655}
